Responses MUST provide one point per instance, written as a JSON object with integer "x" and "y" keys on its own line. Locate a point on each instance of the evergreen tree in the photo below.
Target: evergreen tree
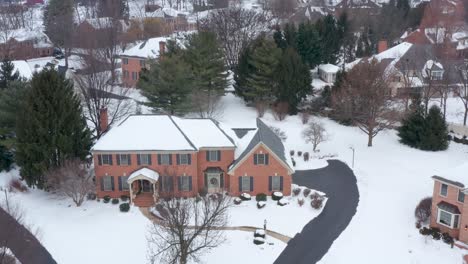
{"x": 308, "y": 44}
{"x": 7, "y": 73}
{"x": 292, "y": 80}
{"x": 11, "y": 100}
{"x": 435, "y": 135}
{"x": 412, "y": 127}
{"x": 278, "y": 36}
{"x": 6, "y": 159}
{"x": 290, "y": 35}
{"x": 51, "y": 127}
{"x": 167, "y": 85}
{"x": 59, "y": 21}
{"x": 263, "y": 62}
{"x": 329, "y": 39}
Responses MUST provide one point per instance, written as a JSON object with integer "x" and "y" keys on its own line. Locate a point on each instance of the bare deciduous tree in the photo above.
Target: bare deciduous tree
{"x": 365, "y": 95}
{"x": 462, "y": 90}
{"x": 315, "y": 133}
{"x": 189, "y": 228}
{"x": 207, "y": 104}
{"x": 72, "y": 180}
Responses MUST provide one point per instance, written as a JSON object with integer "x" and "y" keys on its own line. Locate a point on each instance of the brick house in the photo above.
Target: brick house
{"x": 25, "y": 44}
{"x": 449, "y": 208}
{"x": 136, "y": 58}
{"x": 152, "y": 156}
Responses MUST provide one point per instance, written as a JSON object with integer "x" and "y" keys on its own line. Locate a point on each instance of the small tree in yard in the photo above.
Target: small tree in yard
{"x": 7, "y": 73}
{"x": 315, "y": 133}
{"x": 462, "y": 91}
{"x": 72, "y": 179}
{"x": 189, "y": 228}
{"x": 413, "y": 125}
{"x": 435, "y": 135}
{"x": 423, "y": 210}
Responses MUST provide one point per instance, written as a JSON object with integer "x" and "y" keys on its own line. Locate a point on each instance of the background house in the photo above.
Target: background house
{"x": 327, "y": 72}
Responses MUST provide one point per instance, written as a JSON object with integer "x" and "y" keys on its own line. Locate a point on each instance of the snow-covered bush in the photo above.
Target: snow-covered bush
{"x": 245, "y": 197}
{"x": 16, "y": 184}
{"x": 261, "y": 197}
{"x": 436, "y": 235}
{"x": 259, "y": 233}
{"x": 423, "y": 210}
{"x": 425, "y": 231}
{"x": 283, "y": 202}
{"x": 296, "y": 191}
{"x": 259, "y": 241}
{"x": 300, "y": 202}
{"x": 291, "y": 152}
{"x": 124, "y": 207}
{"x": 276, "y": 196}
{"x": 317, "y": 203}
{"x": 106, "y": 199}
{"x": 305, "y": 117}
{"x": 124, "y": 198}
{"x": 306, "y": 192}
{"x": 447, "y": 238}
{"x": 299, "y": 153}
{"x": 261, "y": 204}
{"x": 115, "y": 201}
{"x": 237, "y": 201}
{"x": 306, "y": 156}
{"x": 293, "y": 162}
{"x": 91, "y": 196}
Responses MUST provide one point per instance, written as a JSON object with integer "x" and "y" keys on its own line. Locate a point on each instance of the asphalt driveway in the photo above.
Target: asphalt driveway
{"x": 338, "y": 181}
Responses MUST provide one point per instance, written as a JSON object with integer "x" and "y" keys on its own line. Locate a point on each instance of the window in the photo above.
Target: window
{"x": 437, "y": 75}
{"x": 213, "y": 155}
{"x": 448, "y": 219}
{"x": 184, "y": 159}
{"x": 142, "y": 63}
{"x": 167, "y": 184}
{"x": 443, "y": 189}
{"x": 245, "y": 183}
{"x": 105, "y": 159}
{"x": 261, "y": 159}
{"x": 124, "y": 159}
{"x": 125, "y": 61}
{"x": 144, "y": 159}
{"x": 276, "y": 183}
{"x": 461, "y": 196}
{"x": 123, "y": 183}
{"x": 125, "y": 74}
{"x": 185, "y": 183}
{"x": 107, "y": 183}
{"x": 134, "y": 76}
{"x": 165, "y": 159}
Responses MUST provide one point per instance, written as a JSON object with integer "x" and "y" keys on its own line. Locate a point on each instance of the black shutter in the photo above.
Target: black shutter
{"x": 160, "y": 184}
{"x": 171, "y": 183}
{"x": 190, "y": 183}
{"x": 267, "y": 159}
{"x": 281, "y": 183}
{"x": 206, "y": 180}
{"x": 149, "y": 159}
{"x": 255, "y": 159}
{"x": 219, "y": 155}
{"x": 138, "y": 159}
{"x": 251, "y": 184}
{"x": 178, "y": 159}
{"x": 189, "y": 157}
{"x": 170, "y": 159}
{"x": 110, "y": 159}
{"x": 117, "y": 157}
{"x": 240, "y": 184}
{"x": 99, "y": 159}
{"x": 112, "y": 182}
{"x": 120, "y": 183}
{"x": 129, "y": 158}
{"x": 179, "y": 183}
{"x": 102, "y": 183}
{"x": 207, "y": 155}
{"x": 159, "y": 159}
{"x": 221, "y": 180}
{"x": 270, "y": 179}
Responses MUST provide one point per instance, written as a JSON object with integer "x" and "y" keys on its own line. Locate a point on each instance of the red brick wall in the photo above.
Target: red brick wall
{"x": 452, "y": 198}
{"x": 260, "y": 174}
{"x": 227, "y": 157}
{"x": 464, "y": 223}
{"x": 132, "y": 66}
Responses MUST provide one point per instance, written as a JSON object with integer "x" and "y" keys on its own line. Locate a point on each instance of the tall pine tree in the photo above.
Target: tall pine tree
{"x": 59, "y": 24}
{"x": 308, "y": 44}
{"x": 51, "y": 127}
{"x": 7, "y": 73}
{"x": 435, "y": 135}
{"x": 413, "y": 125}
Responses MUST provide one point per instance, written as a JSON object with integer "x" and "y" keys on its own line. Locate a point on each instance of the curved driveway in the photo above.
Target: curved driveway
{"x": 337, "y": 180}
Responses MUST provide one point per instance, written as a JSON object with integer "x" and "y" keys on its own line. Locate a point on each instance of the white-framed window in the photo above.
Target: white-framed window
{"x": 213, "y": 155}
{"x": 165, "y": 159}
{"x": 184, "y": 183}
{"x": 461, "y": 196}
{"x": 145, "y": 159}
{"x": 262, "y": 159}
{"x": 124, "y": 159}
{"x": 443, "y": 189}
{"x": 276, "y": 183}
{"x": 134, "y": 75}
{"x": 245, "y": 184}
{"x": 107, "y": 183}
{"x": 106, "y": 159}
{"x": 448, "y": 219}
{"x": 125, "y": 61}
{"x": 437, "y": 75}
{"x": 184, "y": 159}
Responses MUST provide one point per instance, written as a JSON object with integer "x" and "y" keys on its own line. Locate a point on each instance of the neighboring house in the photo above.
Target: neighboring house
{"x": 99, "y": 32}
{"x": 327, "y": 72}
{"x": 25, "y": 44}
{"x": 152, "y": 156}
{"x": 449, "y": 206}
{"x": 137, "y": 58}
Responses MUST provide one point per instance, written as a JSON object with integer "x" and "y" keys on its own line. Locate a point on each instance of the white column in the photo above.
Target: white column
{"x": 131, "y": 192}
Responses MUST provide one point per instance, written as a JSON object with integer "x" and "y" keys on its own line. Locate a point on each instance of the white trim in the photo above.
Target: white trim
{"x": 458, "y": 195}
{"x": 451, "y": 226}
{"x": 440, "y": 190}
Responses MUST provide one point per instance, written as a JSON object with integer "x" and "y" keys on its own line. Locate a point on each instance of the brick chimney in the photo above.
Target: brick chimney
{"x": 162, "y": 47}
{"x": 103, "y": 120}
{"x": 382, "y": 46}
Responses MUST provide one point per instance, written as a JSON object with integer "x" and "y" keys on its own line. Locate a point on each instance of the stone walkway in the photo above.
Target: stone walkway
{"x": 271, "y": 233}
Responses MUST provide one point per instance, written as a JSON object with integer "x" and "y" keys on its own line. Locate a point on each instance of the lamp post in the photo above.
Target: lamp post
{"x": 352, "y": 148}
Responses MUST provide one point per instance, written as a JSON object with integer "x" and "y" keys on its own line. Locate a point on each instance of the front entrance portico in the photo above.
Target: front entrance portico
{"x": 143, "y": 186}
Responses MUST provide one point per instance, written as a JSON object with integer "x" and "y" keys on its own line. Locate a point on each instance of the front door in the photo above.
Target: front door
{"x": 146, "y": 186}
{"x": 213, "y": 182}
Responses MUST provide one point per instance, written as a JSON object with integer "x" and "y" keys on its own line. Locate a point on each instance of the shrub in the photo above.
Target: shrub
{"x": 124, "y": 207}
{"x": 317, "y": 203}
{"x": 306, "y": 156}
{"x": 237, "y": 201}
{"x": 245, "y": 197}
{"x": 198, "y": 199}
{"x": 276, "y": 196}
{"x": 300, "y": 202}
{"x": 299, "y": 153}
{"x": 296, "y": 191}
{"x": 115, "y": 201}
{"x": 305, "y": 117}
{"x": 436, "y": 235}
{"x": 261, "y": 197}
{"x": 261, "y": 204}
{"x": 91, "y": 196}
{"x": 447, "y": 238}
{"x": 315, "y": 195}
{"x": 418, "y": 225}
{"x": 423, "y": 210}
{"x": 259, "y": 233}
{"x": 106, "y": 199}
{"x": 124, "y": 198}
{"x": 259, "y": 241}
{"x": 283, "y": 202}
{"x": 203, "y": 192}
{"x": 293, "y": 162}
{"x": 306, "y": 192}
{"x": 291, "y": 152}
{"x": 16, "y": 184}
{"x": 425, "y": 231}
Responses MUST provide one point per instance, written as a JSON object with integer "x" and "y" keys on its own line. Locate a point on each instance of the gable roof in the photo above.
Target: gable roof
{"x": 457, "y": 176}
{"x": 266, "y": 136}
{"x": 145, "y": 49}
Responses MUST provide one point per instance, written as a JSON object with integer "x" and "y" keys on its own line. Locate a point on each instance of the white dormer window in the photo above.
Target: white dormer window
{"x": 437, "y": 75}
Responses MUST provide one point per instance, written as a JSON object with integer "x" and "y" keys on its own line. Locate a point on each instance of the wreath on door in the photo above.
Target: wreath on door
{"x": 214, "y": 181}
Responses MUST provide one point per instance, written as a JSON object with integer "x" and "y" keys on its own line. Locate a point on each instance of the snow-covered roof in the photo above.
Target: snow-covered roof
{"x": 146, "y": 49}
{"x": 456, "y": 175}
{"x": 40, "y": 38}
{"x": 163, "y": 133}
{"x": 23, "y": 68}
{"x": 431, "y": 65}
{"x": 394, "y": 52}
{"x": 145, "y": 172}
{"x": 100, "y": 23}
{"x": 329, "y": 68}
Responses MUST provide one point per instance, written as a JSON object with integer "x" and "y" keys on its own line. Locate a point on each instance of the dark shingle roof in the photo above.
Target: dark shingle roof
{"x": 266, "y": 136}
{"x": 416, "y": 57}
{"x": 448, "y": 207}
